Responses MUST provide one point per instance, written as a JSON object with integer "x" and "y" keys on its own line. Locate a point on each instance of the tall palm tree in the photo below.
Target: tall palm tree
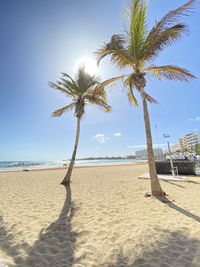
{"x": 136, "y": 49}
{"x": 84, "y": 89}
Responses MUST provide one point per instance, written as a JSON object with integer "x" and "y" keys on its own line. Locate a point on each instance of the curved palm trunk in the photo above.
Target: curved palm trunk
{"x": 156, "y": 189}
{"x": 67, "y": 179}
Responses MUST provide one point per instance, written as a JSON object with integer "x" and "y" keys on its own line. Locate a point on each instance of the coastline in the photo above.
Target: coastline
{"x": 75, "y": 166}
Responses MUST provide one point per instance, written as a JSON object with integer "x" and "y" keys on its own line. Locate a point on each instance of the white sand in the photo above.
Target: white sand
{"x": 111, "y": 224}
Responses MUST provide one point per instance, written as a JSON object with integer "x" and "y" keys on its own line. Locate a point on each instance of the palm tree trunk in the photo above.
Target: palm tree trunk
{"x": 67, "y": 179}
{"x": 156, "y": 189}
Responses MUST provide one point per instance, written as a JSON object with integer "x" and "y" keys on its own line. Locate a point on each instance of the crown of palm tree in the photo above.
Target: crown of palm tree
{"x": 84, "y": 89}
{"x": 139, "y": 46}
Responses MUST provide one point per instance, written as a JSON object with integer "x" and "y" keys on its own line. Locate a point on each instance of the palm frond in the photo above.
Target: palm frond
{"x": 150, "y": 99}
{"x": 82, "y": 79}
{"x": 59, "y": 88}
{"x": 98, "y": 101}
{"x": 170, "y": 72}
{"x": 129, "y": 81}
{"x": 94, "y": 81}
{"x": 85, "y": 80}
{"x": 68, "y": 85}
{"x": 156, "y": 42}
{"x": 174, "y": 15}
{"x": 132, "y": 98}
{"x": 167, "y": 30}
{"x": 101, "y": 87}
{"x": 70, "y": 78}
{"x": 130, "y": 84}
{"x": 138, "y": 28}
{"x": 59, "y": 112}
{"x": 117, "y": 50}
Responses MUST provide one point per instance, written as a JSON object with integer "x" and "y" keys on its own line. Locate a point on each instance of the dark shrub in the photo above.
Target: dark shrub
{"x": 185, "y": 167}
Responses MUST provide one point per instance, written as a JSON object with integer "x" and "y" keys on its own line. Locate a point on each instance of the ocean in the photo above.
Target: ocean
{"x": 30, "y": 165}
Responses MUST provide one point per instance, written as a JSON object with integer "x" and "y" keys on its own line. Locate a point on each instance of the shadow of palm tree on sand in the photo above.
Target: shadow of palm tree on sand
{"x": 55, "y": 246}
{"x": 175, "y": 249}
{"x": 172, "y": 205}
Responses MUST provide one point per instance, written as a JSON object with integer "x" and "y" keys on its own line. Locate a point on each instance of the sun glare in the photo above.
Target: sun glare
{"x": 89, "y": 63}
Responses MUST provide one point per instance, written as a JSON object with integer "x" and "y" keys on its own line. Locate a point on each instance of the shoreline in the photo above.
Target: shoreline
{"x": 76, "y": 167}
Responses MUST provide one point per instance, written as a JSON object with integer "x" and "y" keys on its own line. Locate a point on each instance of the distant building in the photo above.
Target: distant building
{"x": 189, "y": 141}
{"x": 142, "y": 154}
{"x": 183, "y": 143}
{"x": 175, "y": 148}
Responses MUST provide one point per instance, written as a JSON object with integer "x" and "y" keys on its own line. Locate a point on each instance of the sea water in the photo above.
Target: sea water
{"x": 29, "y": 165}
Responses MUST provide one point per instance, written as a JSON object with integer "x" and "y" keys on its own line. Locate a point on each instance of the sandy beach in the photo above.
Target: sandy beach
{"x": 111, "y": 223}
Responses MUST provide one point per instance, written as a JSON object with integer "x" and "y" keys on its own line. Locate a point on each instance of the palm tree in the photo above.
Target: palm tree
{"x": 84, "y": 89}
{"x": 136, "y": 49}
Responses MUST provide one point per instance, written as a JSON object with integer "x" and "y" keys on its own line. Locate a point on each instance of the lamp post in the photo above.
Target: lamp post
{"x": 170, "y": 155}
{"x": 156, "y": 126}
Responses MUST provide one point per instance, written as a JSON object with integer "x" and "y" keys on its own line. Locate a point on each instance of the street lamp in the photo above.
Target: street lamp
{"x": 159, "y": 154}
{"x": 170, "y": 155}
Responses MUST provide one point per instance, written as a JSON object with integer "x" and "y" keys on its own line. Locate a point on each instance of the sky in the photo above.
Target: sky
{"x": 41, "y": 39}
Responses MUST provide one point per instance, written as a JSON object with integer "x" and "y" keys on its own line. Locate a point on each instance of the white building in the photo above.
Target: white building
{"x": 175, "y": 148}
{"x": 189, "y": 140}
{"x": 142, "y": 154}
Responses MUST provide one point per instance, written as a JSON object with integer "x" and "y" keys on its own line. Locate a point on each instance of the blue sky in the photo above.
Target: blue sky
{"x": 41, "y": 39}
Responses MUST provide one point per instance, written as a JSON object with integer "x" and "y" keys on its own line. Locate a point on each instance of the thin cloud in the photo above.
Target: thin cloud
{"x": 117, "y": 134}
{"x": 144, "y": 146}
{"x": 138, "y": 146}
{"x": 195, "y": 119}
{"x": 100, "y": 138}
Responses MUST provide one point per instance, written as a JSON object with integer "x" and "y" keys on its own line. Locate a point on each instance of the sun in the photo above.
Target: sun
{"x": 89, "y": 63}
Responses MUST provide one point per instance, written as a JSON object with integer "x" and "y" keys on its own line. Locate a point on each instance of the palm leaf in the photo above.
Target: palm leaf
{"x": 174, "y": 15}
{"x": 150, "y": 99}
{"x": 94, "y": 81}
{"x": 129, "y": 81}
{"x": 98, "y": 101}
{"x": 156, "y": 42}
{"x": 70, "y": 78}
{"x": 101, "y": 87}
{"x": 60, "y": 111}
{"x": 132, "y": 98}
{"x": 68, "y": 85}
{"x": 84, "y": 80}
{"x": 166, "y": 31}
{"x": 59, "y": 88}
{"x": 138, "y": 28}
{"x": 117, "y": 50}
{"x": 170, "y": 72}
{"x": 130, "y": 84}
